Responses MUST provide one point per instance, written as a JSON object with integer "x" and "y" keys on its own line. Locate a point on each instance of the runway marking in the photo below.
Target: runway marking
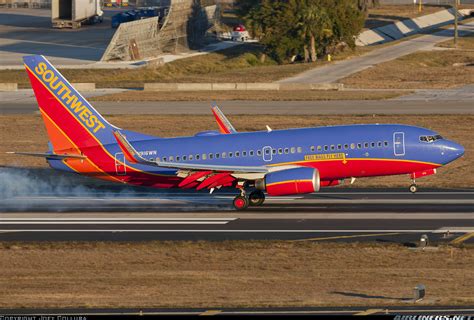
{"x": 454, "y": 230}
{"x": 368, "y": 312}
{"x": 462, "y": 238}
{"x": 210, "y": 312}
{"x": 117, "y": 219}
{"x": 212, "y": 231}
{"x": 348, "y": 237}
{"x": 111, "y": 222}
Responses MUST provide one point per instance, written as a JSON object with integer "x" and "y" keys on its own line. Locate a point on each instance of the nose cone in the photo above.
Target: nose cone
{"x": 452, "y": 150}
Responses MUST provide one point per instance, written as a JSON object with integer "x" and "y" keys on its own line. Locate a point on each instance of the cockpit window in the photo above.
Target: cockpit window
{"x": 430, "y": 139}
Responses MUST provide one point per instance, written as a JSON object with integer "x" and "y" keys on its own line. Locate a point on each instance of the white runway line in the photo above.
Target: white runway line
{"x": 112, "y": 222}
{"x": 117, "y": 219}
{"x": 217, "y": 231}
{"x": 109, "y": 221}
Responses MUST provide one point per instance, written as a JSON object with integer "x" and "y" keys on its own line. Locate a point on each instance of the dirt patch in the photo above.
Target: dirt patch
{"x": 425, "y": 69}
{"x": 230, "y": 274}
{"x": 303, "y": 95}
{"x": 26, "y": 133}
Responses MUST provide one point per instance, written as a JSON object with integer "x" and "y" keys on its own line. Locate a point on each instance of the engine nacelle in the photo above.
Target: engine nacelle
{"x": 290, "y": 181}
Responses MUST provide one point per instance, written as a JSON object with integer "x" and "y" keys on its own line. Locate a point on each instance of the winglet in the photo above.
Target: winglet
{"x": 225, "y": 127}
{"x": 131, "y": 155}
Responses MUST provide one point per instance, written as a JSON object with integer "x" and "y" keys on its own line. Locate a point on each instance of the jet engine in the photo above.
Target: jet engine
{"x": 290, "y": 181}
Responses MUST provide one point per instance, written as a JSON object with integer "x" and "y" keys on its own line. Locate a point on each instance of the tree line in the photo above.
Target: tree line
{"x": 306, "y": 28}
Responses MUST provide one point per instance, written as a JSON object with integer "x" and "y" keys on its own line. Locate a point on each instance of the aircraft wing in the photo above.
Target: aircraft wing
{"x": 49, "y": 155}
{"x": 134, "y": 157}
{"x": 225, "y": 127}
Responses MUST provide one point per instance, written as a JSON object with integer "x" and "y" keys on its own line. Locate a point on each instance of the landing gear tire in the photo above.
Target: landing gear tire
{"x": 413, "y": 188}
{"x": 240, "y": 203}
{"x": 256, "y": 198}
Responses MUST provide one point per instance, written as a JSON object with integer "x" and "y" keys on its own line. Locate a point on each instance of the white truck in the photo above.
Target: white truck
{"x": 74, "y": 13}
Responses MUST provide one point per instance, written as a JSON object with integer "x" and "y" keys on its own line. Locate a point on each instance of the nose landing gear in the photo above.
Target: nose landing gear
{"x": 413, "y": 187}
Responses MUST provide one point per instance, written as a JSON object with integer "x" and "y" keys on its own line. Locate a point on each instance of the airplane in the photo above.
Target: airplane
{"x": 268, "y": 162}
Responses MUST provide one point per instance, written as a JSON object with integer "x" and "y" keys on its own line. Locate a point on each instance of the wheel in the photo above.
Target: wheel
{"x": 240, "y": 203}
{"x": 413, "y": 188}
{"x": 256, "y": 198}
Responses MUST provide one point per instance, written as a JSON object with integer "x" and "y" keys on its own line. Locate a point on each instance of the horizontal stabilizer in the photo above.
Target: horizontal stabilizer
{"x": 49, "y": 155}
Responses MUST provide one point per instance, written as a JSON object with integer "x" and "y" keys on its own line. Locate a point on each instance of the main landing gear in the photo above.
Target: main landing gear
{"x": 255, "y": 198}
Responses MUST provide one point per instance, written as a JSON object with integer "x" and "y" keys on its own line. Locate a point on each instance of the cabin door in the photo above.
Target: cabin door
{"x": 399, "y": 143}
{"x": 120, "y": 167}
{"x": 267, "y": 153}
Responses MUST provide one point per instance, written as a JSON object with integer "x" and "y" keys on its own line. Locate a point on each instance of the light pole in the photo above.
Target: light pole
{"x": 455, "y": 22}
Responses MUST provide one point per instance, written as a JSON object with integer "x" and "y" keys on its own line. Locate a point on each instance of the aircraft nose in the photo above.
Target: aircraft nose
{"x": 453, "y": 150}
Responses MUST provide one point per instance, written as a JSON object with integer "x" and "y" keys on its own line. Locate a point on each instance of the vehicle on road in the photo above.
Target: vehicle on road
{"x": 74, "y": 13}
{"x": 275, "y": 162}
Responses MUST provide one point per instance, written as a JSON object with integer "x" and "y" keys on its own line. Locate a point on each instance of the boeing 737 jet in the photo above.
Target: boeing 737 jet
{"x": 275, "y": 162}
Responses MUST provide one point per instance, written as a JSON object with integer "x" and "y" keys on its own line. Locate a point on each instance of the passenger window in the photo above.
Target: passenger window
{"x": 171, "y": 158}
{"x": 164, "y": 159}
{"x": 299, "y": 149}
{"x": 379, "y": 144}
{"x": 211, "y": 155}
{"x": 287, "y": 150}
{"x": 293, "y": 149}
{"x": 230, "y": 154}
{"x": 372, "y": 144}
{"x": 280, "y": 151}
{"x": 312, "y": 148}
{"x": 359, "y": 146}
{"x": 259, "y": 153}
{"x": 190, "y": 157}
{"x": 237, "y": 154}
{"x": 339, "y": 147}
{"x": 353, "y": 146}
{"x": 251, "y": 153}
{"x": 204, "y": 156}
{"x": 267, "y": 151}
{"x": 244, "y": 153}
{"x": 346, "y": 146}
{"x": 177, "y": 158}
{"x": 333, "y": 147}
{"x": 274, "y": 151}
{"x": 224, "y": 154}
{"x": 218, "y": 155}
{"x": 326, "y": 148}
{"x": 197, "y": 157}
{"x": 320, "y": 148}
{"x": 157, "y": 159}
{"x": 385, "y": 143}
{"x": 366, "y": 145}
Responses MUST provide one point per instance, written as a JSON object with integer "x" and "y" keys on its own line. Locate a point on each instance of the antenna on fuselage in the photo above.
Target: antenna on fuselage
{"x": 269, "y": 129}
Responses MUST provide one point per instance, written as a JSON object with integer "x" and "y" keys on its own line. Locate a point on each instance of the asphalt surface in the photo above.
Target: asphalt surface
{"x": 295, "y": 311}
{"x": 342, "y": 69}
{"x": 29, "y": 31}
{"x": 458, "y": 101}
{"x": 41, "y": 204}
{"x": 337, "y": 215}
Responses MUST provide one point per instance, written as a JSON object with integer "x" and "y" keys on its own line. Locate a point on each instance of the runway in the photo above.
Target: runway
{"x": 432, "y": 102}
{"x": 281, "y": 311}
{"x": 341, "y": 215}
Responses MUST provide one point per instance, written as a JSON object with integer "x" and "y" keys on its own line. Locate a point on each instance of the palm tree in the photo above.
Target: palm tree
{"x": 313, "y": 24}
